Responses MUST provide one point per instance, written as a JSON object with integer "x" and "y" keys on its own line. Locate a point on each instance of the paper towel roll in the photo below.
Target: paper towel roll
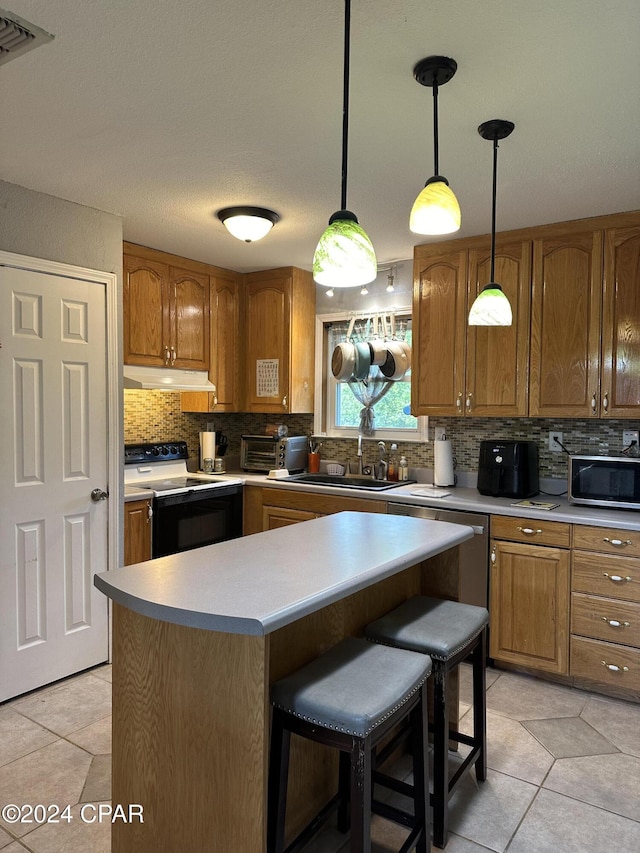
{"x": 443, "y": 463}
{"x": 207, "y": 447}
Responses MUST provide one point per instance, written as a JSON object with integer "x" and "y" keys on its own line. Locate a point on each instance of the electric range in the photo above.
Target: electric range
{"x": 190, "y": 510}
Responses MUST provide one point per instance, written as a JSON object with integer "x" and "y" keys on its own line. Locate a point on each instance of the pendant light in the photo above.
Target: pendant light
{"x": 436, "y": 209}
{"x": 248, "y": 223}
{"x": 491, "y": 306}
{"x": 344, "y": 256}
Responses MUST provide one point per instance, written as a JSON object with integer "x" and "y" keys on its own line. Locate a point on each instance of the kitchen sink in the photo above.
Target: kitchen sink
{"x": 341, "y": 482}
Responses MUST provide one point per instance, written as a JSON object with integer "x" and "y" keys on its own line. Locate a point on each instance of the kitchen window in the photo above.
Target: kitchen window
{"x": 339, "y": 414}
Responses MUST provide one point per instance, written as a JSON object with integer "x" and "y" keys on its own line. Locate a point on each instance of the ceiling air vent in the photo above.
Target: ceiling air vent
{"x": 17, "y": 36}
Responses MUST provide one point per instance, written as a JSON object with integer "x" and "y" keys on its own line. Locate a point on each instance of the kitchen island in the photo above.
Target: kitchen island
{"x": 198, "y": 638}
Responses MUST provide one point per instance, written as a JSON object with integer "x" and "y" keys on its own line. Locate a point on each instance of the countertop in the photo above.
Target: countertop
{"x": 257, "y": 584}
{"x": 470, "y": 500}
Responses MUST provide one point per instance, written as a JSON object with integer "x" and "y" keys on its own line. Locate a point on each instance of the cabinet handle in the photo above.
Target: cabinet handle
{"x": 618, "y": 542}
{"x": 173, "y": 355}
{"x": 594, "y": 404}
{"x": 605, "y": 402}
{"x": 149, "y": 512}
{"x": 459, "y": 402}
{"x": 493, "y": 554}
{"x": 529, "y": 531}
{"x": 617, "y": 578}
{"x": 214, "y": 397}
{"x": 468, "y": 401}
{"x": 613, "y": 668}
{"x": 284, "y": 402}
{"x": 615, "y": 623}
{"x": 167, "y": 355}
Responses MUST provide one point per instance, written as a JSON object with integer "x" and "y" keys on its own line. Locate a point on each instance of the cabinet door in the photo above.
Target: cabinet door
{"x": 497, "y": 374}
{"x": 530, "y": 606}
{"x": 621, "y": 324}
{"x": 266, "y": 341}
{"x": 276, "y": 516}
{"x": 189, "y": 319}
{"x": 145, "y": 312}
{"x": 439, "y": 334}
{"x": 137, "y": 532}
{"x": 225, "y": 343}
{"x": 565, "y": 326}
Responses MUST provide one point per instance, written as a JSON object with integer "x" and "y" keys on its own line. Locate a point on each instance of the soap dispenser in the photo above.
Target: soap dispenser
{"x": 392, "y": 467}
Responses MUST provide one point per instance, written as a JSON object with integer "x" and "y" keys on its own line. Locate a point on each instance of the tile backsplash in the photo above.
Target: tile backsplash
{"x": 156, "y": 416}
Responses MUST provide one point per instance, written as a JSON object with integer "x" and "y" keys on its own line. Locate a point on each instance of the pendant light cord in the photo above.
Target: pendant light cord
{"x": 493, "y": 209}
{"x": 345, "y": 102}
{"x": 436, "y": 158}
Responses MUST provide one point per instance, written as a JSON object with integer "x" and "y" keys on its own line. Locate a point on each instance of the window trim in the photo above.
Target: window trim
{"x": 320, "y": 415}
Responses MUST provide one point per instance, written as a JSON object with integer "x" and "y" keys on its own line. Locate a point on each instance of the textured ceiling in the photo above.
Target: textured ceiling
{"x": 165, "y": 112}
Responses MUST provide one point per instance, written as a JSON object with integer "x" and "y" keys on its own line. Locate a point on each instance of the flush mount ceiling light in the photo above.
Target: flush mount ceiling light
{"x": 248, "y": 223}
{"x": 436, "y": 209}
{"x": 491, "y": 306}
{"x": 344, "y": 256}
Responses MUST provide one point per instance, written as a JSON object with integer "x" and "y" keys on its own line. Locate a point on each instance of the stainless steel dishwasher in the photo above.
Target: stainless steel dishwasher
{"x": 474, "y": 553}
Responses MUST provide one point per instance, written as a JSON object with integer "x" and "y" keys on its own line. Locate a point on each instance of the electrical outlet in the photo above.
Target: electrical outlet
{"x": 439, "y": 433}
{"x": 629, "y": 436}
{"x": 554, "y": 447}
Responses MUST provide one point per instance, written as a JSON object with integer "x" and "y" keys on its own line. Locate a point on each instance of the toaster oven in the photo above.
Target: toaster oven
{"x": 268, "y": 452}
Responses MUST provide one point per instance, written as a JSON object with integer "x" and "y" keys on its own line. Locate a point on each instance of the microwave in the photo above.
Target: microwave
{"x": 269, "y": 452}
{"x": 611, "y": 481}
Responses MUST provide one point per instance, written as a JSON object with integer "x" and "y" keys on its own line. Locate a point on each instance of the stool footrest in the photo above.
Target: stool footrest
{"x": 393, "y": 784}
{"x": 392, "y": 813}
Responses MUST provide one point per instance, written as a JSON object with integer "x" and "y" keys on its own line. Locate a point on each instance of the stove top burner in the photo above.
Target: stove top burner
{"x": 174, "y": 483}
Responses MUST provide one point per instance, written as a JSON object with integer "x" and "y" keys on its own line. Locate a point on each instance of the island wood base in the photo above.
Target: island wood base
{"x": 191, "y": 719}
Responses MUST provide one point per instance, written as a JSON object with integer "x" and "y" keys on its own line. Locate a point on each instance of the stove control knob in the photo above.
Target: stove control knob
{"x": 156, "y": 451}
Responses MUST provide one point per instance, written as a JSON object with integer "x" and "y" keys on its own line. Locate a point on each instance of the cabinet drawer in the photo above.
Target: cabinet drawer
{"x": 531, "y": 530}
{"x": 607, "y": 540}
{"x": 605, "y": 619}
{"x": 612, "y": 577}
{"x": 592, "y": 659}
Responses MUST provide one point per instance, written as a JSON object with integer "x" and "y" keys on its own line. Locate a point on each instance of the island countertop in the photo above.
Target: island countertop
{"x": 257, "y": 584}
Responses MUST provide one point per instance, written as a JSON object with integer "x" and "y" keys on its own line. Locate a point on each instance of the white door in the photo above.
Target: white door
{"x": 53, "y": 424}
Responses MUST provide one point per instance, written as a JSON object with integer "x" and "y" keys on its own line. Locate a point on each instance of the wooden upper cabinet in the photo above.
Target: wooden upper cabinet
{"x": 146, "y": 312}
{"x": 439, "y": 331}
{"x": 279, "y": 332}
{"x": 469, "y": 370}
{"x": 565, "y": 325}
{"x": 621, "y": 324}
{"x": 497, "y": 366}
{"x": 166, "y": 310}
{"x": 225, "y": 341}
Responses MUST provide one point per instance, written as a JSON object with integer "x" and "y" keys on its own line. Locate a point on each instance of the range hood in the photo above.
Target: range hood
{"x": 166, "y": 379}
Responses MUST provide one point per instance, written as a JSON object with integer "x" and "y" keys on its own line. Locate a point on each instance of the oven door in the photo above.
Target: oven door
{"x": 195, "y": 518}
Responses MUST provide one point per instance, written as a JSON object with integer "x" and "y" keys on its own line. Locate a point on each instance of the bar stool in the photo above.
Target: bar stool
{"x": 449, "y": 632}
{"x": 349, "y": 698}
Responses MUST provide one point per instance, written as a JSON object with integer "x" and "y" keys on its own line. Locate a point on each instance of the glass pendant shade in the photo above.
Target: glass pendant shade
{"x": 491, "y": 308}
{"x": 435, "y": 210}
{"x": 248, "y": 223}
{"x": 344, "y": 256}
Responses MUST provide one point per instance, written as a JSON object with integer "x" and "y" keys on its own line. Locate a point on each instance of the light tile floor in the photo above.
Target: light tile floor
{"x": 564, "y": 771}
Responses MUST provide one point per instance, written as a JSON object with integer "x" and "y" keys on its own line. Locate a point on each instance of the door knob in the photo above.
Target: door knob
{"x": 99, "y": 495}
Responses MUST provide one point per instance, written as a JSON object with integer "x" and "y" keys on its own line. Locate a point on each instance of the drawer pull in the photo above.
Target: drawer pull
{"x": 616, "y": 578}
{"x": 529, "y": 531}
{"x": 618, "y": 542}
{"x": 613, "y": 668}
{"x": 615, "y": 623}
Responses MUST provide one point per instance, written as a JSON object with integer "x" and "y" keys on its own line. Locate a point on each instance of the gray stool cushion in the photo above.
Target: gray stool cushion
{"x": 353, "y": 687}
{"x": 429, "y": 625}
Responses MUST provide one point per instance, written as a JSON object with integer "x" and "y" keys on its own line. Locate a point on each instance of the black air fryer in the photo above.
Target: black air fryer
{"x": 508, "y": 469}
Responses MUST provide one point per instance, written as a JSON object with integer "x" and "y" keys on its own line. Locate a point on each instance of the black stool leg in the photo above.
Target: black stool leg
{"x": 361, "y": 795}
{"x": 344, "y": 783}
{"x": 419, "y": 741}
{"x": 278, "y": 782}
{"x": 479, "y": 662}
{"x": 440, "y": 796}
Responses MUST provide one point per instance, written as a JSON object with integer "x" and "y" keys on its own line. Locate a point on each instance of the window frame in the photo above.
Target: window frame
{"x": 324, "y": 411}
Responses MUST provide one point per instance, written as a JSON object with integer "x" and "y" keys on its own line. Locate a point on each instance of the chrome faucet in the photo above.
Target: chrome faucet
{"x": 359, "y": 454}
{"x": 380, "y": 470}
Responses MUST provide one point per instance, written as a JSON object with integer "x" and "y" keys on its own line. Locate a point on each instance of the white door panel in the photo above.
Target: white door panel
{"x": 53, "y": 420}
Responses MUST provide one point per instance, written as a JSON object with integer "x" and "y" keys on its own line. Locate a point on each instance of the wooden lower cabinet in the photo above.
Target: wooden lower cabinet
{"x": 266, "y": 509}
{"x": 530, "y": 606}
{"x": 605, "y": 608}
{"x": 137, "y": 532}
